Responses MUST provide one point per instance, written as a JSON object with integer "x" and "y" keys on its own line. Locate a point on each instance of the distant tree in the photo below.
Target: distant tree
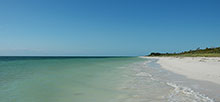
{"x": 155, "y": 54}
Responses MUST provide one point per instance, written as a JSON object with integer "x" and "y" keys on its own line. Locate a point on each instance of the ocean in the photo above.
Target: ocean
{"x": 90, "y": 79}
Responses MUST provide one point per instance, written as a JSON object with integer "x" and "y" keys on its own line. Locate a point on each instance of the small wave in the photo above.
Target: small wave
{"x": 181, "y": 93}
{"x": 143, "y": 74}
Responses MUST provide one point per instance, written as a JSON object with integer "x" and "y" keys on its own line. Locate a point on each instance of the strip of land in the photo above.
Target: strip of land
{"x": 207, "y": 52}
{"x": 199, "y": 68}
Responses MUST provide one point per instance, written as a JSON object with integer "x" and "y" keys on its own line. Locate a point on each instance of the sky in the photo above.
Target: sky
{"x": 106, "y": 27}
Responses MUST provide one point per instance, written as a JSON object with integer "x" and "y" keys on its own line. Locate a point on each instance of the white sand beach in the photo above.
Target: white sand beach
{"x": 199, "y": 68}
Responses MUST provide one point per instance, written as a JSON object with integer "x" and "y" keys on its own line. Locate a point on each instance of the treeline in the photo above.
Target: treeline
{"x": 213, "y": 52}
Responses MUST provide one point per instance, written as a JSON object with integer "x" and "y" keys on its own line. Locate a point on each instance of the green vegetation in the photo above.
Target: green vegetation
{"x": 208, "y": 52}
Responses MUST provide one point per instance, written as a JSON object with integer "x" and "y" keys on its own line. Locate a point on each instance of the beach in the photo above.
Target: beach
{"x": 204, "y": 71}
{"x": 199, "y": 68}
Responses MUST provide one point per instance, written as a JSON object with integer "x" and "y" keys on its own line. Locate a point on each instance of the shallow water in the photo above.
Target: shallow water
{"x": 106, "y": 79}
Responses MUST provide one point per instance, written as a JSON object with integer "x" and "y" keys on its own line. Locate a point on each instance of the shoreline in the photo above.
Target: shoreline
{"x": 201, "y": 73}
{"x": 198, "y": 68}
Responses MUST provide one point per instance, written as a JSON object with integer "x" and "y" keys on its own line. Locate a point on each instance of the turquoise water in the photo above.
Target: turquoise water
{"x": 104, "y": 79}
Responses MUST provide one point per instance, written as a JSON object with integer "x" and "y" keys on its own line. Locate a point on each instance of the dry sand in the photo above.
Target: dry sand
{"x": 199, "y": 68}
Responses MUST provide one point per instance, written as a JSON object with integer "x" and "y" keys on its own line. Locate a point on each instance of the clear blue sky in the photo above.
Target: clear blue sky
{"x": 107, "y": 27}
